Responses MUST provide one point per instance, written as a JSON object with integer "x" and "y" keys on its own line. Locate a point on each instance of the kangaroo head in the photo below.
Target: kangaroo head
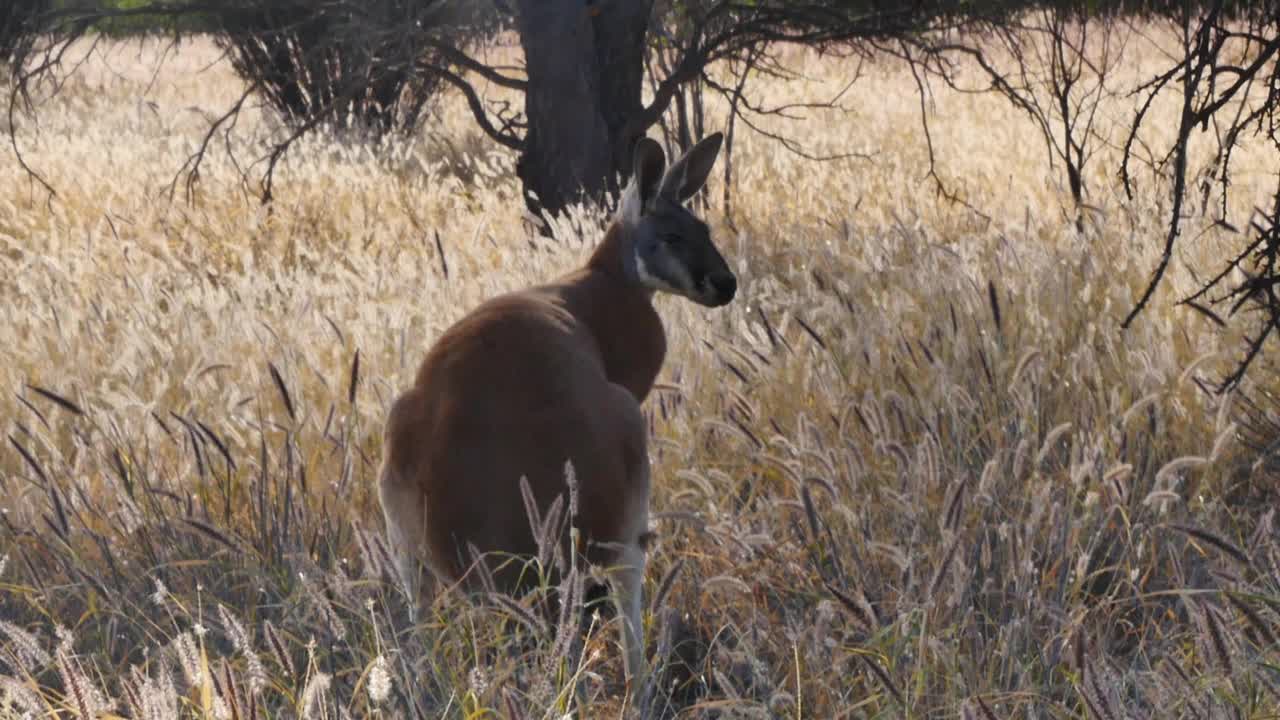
{"x": 670, "y": 249}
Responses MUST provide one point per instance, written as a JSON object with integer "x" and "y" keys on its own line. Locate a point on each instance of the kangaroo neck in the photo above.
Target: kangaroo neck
{"x": 618, "y": 312}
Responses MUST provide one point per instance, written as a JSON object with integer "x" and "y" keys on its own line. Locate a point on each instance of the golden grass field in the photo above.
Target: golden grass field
{"x": 885, "y": 499}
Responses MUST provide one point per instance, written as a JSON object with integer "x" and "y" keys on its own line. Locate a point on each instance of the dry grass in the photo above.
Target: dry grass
{"x": 915, "y": 470}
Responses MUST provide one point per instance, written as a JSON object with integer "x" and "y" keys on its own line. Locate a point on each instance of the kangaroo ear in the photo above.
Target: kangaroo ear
{"x": 647, "y": 165}
{"x": 688, "y": 174}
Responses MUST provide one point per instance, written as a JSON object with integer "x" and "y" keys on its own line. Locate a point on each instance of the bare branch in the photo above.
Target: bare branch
{"x": 463, "y": 60}
{"x": 191, "y": 166}
{"x": 476, "y": 105}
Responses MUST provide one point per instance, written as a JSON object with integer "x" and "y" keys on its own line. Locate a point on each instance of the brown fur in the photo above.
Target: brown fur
{"x": 523, "y": 383}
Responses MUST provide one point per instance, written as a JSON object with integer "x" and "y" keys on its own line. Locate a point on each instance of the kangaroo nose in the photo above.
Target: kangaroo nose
{"x": 725, "y": 285}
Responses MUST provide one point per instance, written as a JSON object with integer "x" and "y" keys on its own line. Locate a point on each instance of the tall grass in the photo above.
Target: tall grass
{"x": 915, "y": 470}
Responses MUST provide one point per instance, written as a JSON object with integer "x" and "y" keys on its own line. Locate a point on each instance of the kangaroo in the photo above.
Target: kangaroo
{"x": 553, "y": 373}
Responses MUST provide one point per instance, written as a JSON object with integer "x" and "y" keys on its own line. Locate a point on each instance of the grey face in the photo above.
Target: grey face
{"x": 674, "y": 253}
{"x": 671, "y": 248}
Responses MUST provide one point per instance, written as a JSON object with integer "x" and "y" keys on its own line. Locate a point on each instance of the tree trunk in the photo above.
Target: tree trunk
{"x": 584, "y": 60}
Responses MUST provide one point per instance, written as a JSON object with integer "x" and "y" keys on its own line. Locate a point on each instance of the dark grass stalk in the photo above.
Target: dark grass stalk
{"x": 1220, "y": 543}
{"x": 284, "y": 391}
{"x": 520, "y": 613}
{"x": 279, "y": 651}
{"x": 371, "y": 559}
{"x": 444, "y": 261}
{"x": 34, "y": 411}
{"x": 1100, "y": 695}
{"x": 513, "y": 704}
{"x": 955, "y": 506}
{"x": 530, "y": 506}
{"x": 986, "y": 709}
{"x": 549, "y": 545}
{"x": 31, "y": 461}
{"x": 813, "y": 334}
{"x": 994, "y": 299}
{"x": 131, "y": 697}
{"x": 217, "y": 443}
{"x": 944, "y": 568}
{"x": 1092, "y": 705}
{"x": 384, "y": 555}
{"x": 57, "y": 399}
{"x": 232, "y": 694}
{"x": 63, "y": 527}
{"x": 885, "y": 680}
{"x": 665, "y": 585}
{"x": 213, "y": 533}
{"x": 567, "y": 626}
{"x": 72, "y": 681}
{"x": 768, "y": 329}
{"x": 353, "y": 384}
{"x": 1219, "y": 642}
{"x": 1255, "y": 621}
{"x": 864, "y": 616}
{"x": 481, "y": 569}
{"x": 810, "y": 513}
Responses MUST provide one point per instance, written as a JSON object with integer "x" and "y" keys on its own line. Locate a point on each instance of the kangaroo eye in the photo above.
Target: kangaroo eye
{"x": 670, "y": 238}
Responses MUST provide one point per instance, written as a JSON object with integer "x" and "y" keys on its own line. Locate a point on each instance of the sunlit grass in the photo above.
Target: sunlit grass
{"x": 915, "y": 468}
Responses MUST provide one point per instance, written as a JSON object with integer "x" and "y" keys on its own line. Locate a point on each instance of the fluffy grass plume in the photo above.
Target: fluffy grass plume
{"x": 915, "y": 469}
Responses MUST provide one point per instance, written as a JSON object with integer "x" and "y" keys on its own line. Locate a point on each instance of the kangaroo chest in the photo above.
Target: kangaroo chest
{"x": 625, "y": 329}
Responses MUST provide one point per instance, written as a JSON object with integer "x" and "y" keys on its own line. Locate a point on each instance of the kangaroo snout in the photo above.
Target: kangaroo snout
{"x": 724, "y": 285}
